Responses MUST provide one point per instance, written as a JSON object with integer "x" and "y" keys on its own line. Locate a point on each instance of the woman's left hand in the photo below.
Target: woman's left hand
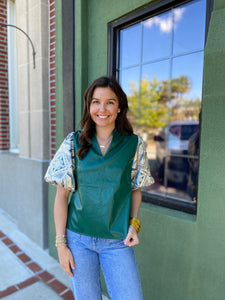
{"x": 132, "y": 237}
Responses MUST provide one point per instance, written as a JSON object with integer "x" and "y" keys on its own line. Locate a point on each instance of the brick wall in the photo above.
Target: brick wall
{"x": 52, "y": 76}
{"x": 4, "y": 100}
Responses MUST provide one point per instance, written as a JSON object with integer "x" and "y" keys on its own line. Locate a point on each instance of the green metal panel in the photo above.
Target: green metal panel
{"x": 219, "y": 4}
{"x": 81, "y": 54}
{"x": 180, "y": 256}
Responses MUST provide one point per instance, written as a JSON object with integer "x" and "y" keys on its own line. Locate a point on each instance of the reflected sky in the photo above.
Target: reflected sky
{"x": 127, "y": 76}
{"x": 159, "y": 70}
{"x": 130, "y": 46}
{"x": 157, "y": 35}
{"x": 192, "y": 67}
{"x": 189, "y": 30}
{"x": 164, "y": 47}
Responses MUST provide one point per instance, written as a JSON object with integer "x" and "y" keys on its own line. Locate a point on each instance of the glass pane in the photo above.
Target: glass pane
{"x": 130, "y": 46}
{"x": 159, "y": 70}
{"x": 129, "y": 80}
{"x": 177, "y": 150}
{"x": 157, "y": 33}
{"x": 175, "y": 166}
{"x": 155, "y": 84}
{"x": 189, "y": 27}
{"x": 186, "y": 86}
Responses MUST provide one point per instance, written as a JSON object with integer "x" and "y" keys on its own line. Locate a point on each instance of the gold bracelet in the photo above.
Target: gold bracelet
{"x": 136, "y": 224}
{"x": 60, "y": 240}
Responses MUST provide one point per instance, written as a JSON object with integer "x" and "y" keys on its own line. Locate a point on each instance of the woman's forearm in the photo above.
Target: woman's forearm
{"x": 61, "y": 210}
{"x": 135, "y": 203}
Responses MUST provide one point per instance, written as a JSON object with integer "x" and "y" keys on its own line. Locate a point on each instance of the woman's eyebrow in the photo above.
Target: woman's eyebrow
{"x": 106, "y": 99}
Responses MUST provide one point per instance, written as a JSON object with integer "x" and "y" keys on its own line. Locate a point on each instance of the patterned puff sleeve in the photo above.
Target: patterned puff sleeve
{"x": 140, "y": 175}
{"x": 62, "y": 167}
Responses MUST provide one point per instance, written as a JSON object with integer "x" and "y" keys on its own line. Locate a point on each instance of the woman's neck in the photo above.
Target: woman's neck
{"x": 104, "y": 133}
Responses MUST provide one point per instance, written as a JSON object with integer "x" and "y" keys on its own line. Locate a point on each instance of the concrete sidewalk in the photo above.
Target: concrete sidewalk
{"x": 27, "y": 271}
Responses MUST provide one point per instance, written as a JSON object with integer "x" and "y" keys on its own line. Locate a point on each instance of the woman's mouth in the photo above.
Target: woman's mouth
{"x": 102, "y": 117}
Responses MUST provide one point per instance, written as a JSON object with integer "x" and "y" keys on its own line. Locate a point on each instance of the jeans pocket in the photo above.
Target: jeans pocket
{"x": 72, "y": 237}
{"x": 115, "y": 244}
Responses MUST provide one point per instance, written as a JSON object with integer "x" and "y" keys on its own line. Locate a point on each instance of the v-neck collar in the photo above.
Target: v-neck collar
{"x": 96, "y": 146}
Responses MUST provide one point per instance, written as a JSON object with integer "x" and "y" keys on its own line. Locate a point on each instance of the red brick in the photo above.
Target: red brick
{"x": 52, "y": 52}
{"x": 7, "y": 241}
{"x": 52, "y": 20}
{"x": 27, "y": 282}
{"x": 45, "y": 276}
{"x": 52, "y": 84}
{"x": 52, "y": 46}
{"x": 15, "y": 249}
{"x": 57, "y": 286}
{"x": 2, "y": 234}
{"x": 24, "y": 257}
{"x": 52, "y": 26}
{"x": 52, "y": 38}
{"x": 8, "y": 291}
{"x": 52, "y": 72}
{"x": 34, "y": 267}
{"x": 68, "y": 296}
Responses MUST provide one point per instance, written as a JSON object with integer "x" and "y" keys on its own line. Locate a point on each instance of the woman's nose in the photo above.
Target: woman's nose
{"x": 102, "y": 107}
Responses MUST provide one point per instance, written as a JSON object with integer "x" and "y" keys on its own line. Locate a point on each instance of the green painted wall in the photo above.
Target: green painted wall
{"x": 180, "y": 256}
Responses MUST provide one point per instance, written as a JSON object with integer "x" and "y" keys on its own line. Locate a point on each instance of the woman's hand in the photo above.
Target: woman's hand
{"x": 132, "y": 237}
{"x": 66, "y": 259}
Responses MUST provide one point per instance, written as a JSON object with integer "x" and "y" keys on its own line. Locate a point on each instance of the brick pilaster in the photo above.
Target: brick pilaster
{"x": 4, "y": 99}
{"x": 52, "y": 76}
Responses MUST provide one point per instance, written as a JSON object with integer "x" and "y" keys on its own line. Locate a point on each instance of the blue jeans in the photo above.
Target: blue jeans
{"x": 118, "y": 264}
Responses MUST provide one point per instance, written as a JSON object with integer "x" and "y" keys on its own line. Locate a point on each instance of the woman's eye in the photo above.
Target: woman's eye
{"x": 95, "y": 101}
{"x": 110, "y": 102}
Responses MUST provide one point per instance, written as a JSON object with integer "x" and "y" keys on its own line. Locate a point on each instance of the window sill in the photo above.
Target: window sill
{"x": 167, "y": 212}
{"x": 169, "y": 202}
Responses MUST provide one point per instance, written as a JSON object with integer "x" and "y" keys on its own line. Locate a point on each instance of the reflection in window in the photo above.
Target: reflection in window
{"x": 162, "y": 76}
{"x": 128, "y": 53}
{"x": 155, "y": 30}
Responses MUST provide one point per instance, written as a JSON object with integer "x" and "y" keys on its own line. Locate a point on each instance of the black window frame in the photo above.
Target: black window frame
{"x": 114, "y": 29}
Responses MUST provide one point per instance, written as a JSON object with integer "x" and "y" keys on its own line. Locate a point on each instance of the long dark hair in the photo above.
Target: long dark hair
{"x": 87, "y": 124}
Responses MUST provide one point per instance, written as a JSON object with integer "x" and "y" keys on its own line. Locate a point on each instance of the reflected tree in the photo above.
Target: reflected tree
{"x": 155, "y": 101}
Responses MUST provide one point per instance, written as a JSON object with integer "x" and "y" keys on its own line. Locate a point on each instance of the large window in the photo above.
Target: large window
{"x": 157, "y": 54}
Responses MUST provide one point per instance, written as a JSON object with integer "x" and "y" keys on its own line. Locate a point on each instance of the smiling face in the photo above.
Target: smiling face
{"x": 104, "y": 107}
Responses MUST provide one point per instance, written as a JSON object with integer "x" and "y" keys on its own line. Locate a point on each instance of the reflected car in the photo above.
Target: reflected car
{"x": 171, "y": 153}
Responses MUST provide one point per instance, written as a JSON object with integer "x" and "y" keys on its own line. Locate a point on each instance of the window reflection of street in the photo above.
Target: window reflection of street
{"x": 162, "y": 76}
{"x": 174, "y": 165}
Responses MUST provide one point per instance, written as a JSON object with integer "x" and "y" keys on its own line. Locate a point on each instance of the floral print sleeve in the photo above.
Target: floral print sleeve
{"x": 140, "y": 175}
{"x": 62, "y": 167}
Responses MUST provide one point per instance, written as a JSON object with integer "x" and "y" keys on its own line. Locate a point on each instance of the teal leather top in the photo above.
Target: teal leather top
{"x": 100, "y": 206}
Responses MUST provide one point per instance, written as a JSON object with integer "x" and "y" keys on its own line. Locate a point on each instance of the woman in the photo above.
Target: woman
{"x": 104, "y": 166}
